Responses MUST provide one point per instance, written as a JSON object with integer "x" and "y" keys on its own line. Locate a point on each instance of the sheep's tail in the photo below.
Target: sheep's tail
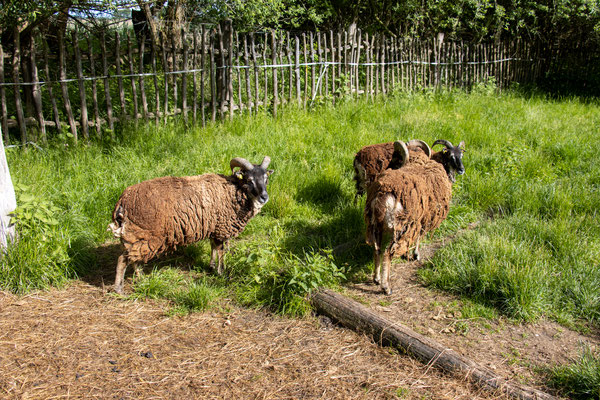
{"x": 116, "y": 227}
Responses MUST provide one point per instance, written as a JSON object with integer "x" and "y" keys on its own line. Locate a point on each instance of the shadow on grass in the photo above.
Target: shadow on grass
{"x": 96, "y": 265}
{"x": 343, "y": 234}
{"x": 323, "y": 193}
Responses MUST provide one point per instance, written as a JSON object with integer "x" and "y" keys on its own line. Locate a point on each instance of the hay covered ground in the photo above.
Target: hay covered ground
{"x": 80, "y": 342}
{"x": 84, "y": 342}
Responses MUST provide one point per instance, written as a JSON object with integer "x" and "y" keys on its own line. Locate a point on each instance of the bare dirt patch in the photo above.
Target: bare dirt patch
{"x": 83, "y": 342}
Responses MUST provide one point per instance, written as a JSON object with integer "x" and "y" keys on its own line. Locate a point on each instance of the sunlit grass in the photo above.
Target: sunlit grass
{"x": 532, "y": 183}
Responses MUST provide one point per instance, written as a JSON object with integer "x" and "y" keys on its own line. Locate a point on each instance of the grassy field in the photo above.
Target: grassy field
{"x": 532, "y": 184}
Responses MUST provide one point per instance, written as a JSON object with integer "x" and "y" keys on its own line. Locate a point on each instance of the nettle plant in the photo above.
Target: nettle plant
{"x": 39, "y": 257}
{"x": 33, "y": 214}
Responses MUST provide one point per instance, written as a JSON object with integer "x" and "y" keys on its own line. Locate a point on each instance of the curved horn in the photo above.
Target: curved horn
{"x": 265, "y": 162}
{"x": 402, "y": 151}
{"x": 242, "y": 163}
{"x": 446, "y": 143}
{"x": 419, "y": 143}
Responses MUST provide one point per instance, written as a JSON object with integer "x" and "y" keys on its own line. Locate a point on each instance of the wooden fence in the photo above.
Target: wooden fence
{"x": 86, "y": 86}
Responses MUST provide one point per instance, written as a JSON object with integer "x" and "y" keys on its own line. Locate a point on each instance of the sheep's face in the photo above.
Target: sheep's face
{"x": 453, "y": 161}
{"x": 254, "y": 184}
{"x": 253, "y": 179}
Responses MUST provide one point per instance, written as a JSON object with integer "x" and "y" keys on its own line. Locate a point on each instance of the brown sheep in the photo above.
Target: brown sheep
{"x": 403, "y": 205}
{"x": 155, "y": 216}
{"x": 371, "y": 160}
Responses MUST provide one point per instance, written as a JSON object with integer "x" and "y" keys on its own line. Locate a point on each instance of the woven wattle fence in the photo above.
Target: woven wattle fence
{"x": 85, "y": 86}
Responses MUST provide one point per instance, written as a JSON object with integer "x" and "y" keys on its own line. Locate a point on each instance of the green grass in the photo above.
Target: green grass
{"x": 580, "y": 379}
{"x": 532, "y": 182}
{"x": 186, "y": 294}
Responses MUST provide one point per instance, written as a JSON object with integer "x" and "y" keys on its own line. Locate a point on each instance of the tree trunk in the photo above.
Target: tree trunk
{"x": 358, "y": 317}
{"x": 8, "y": 202}
{"x": 150, "y": 21}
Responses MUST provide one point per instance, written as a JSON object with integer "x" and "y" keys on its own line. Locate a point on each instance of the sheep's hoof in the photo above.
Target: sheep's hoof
{"x": 376, "y": 281}
{"x": 387, "y": 291}
{"x": 416, "y": 256}
{"x": 118, "y": 289}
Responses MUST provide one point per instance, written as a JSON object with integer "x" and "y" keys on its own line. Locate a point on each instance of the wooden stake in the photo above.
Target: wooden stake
{"x": 131, "y": 72}
{"x": 119, "y": 77}
{"x": 65, "y": 89}
{"x": 49, "y": 86}
{"x": 274, "y": 55}
{"x": 94, "y": 90}
{"x": 37, "y": 93}
{"x": 141, "y": 79}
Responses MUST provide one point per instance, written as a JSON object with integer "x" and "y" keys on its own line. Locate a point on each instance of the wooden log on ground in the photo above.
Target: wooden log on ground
{"x": 358, "y": 317}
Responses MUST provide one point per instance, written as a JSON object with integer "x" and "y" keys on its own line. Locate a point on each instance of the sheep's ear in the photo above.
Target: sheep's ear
{"x": 269, "y": 172}
{"x": 238, "y": 174}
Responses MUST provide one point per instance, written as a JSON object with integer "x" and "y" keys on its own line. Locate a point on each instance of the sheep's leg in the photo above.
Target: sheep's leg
{"x": 216, "y": 251}
{"x": 377, "y": 259}
{"x": 386, "y": 264}
{"x": 221, "y": 255}
{"x": 417, "y": 253}
{"x": 138, "y": 270}
{"x": 120, "y": 275}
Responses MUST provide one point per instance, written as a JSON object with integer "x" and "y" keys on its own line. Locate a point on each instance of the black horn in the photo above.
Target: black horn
{"x": 446, "y": 143}
{"x": 242, "y": 163}
{"x": 419, "y": 143}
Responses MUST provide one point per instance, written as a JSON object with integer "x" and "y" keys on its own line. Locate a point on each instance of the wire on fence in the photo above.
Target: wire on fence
{"x": 308, "y": 64}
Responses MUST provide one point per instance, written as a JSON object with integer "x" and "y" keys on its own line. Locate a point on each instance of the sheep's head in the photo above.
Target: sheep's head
{"x": 451, "y": 158}
{"x": 253, "y": 178}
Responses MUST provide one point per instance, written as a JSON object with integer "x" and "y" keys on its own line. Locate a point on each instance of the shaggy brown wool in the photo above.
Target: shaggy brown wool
{"x": 375, "y": 159}
{"x": 158, "y": 215}
{"x": 423, "y": 189}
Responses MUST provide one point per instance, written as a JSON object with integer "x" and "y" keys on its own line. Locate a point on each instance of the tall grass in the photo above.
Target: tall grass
{"x": 532, "y": 181}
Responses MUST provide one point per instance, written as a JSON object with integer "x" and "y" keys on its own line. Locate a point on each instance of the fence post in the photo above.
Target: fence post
{"x": 153, "y": 55}
{"x": 223, "y": 71}
{"x": 3, "y": 96}
{"x": 16, "y": 62}
{"x": 94, "y": 89}
{"x": 229, "y": 67}
{"x": 123, "y": 112}
{"x": 184, "y": 76}
{"x": 37, "y": 92}
{"x": 82, "y": 96}
{"x": 131, "y": 72}
{"x": 297, "y": 69}
{"x": 109, "y": 113}
{"x": 274, "y": 57}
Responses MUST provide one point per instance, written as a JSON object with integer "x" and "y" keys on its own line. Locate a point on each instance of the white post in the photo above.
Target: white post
{"x": 8, "y": 202}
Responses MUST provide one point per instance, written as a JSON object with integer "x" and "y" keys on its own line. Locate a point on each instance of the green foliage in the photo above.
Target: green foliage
{"x": 39, "y": 257}
{"x": 33, "y": 212}
{"x": 581, "y": 379}
{"x": 270, "y": 276}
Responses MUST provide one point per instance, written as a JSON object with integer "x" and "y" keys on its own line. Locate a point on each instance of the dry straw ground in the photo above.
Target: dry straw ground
{"x": 81, "y": 342}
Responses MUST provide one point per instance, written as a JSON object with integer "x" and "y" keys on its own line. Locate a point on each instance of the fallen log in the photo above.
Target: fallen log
{"x": 358, "y": 317}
